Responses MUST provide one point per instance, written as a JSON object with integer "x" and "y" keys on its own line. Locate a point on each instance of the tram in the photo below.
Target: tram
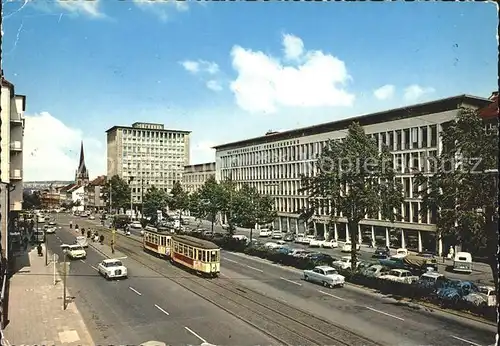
{"x": 198, "y": 255}
{"x": 157, "y": 242}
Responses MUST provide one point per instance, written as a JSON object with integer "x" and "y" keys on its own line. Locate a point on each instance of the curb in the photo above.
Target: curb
{"x": 407, "y": 301}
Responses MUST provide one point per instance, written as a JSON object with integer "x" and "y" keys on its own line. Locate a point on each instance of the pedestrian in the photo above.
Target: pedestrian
{"x": 112, "y": 246}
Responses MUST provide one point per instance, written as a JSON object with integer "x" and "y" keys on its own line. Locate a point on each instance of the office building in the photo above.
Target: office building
{"x": 196, "y": 175}
{"x": 11, "y": 158}
{"x": 273, "y": 164}
{"x": 145, "y": 155}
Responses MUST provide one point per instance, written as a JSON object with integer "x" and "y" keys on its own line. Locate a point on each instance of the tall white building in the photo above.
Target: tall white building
{"x": 273, "y": 164}
{"x": 11, "y": 155}
{"x": 147, "y": 154}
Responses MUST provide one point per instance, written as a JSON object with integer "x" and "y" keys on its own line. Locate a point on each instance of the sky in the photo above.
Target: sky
{"x": 229, "y": 70}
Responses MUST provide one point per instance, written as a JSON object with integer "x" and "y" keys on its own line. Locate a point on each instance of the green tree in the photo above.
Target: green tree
{"x": 154, "y": 200}
{"x": 120, "y": 193}
{"x": 251, "y": 208}
{"x": 31, "y": 200}
{"x": 356, "y": 179}
{"x": 228, "y": 195}
{"x": 209, "y": 201}
{"x": 178, "y": 199}
{"x": 460, "y": 187}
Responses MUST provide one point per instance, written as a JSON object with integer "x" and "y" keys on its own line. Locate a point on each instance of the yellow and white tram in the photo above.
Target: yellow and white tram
{"x": 157, "y": 241}
{"x": 199, "y": 255}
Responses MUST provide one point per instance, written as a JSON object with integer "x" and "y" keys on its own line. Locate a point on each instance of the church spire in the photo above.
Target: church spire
{"x": 82, "y": 174}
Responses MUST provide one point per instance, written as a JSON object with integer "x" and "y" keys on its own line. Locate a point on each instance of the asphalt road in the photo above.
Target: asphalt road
{"x": 146, "y": 306}
{"x": 369, "y": 314}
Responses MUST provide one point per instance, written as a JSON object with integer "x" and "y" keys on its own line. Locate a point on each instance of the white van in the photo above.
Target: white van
{"x": 462, "y": 262}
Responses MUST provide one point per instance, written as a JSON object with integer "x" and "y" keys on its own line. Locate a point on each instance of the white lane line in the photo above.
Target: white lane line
{"x": 199, "y": 337}
{"x": 94, "y": 268}
{"x": 467, "y": 341}
{"x": 159, "y": 308}
{"x": 384, "y": 313}
{"x": 224, "y": 275}
{"x": 292, "y": 282}
{"x": 82, "y": 261}
{"x": 331, "y": 295}
{"x": 136, "y": 291}
{"x": 230, "y": 260}
{"x": 256, "y": 269}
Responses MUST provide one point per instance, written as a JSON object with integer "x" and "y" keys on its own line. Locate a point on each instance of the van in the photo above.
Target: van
{"x": 82, "y": 241}
{"x": 463, "y": 262}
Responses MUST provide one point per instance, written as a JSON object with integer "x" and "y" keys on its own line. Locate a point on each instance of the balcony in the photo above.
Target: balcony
{"x": 17, "y": 119}
{"x": 16, "y": 146}
{"x": 16, "y": 174}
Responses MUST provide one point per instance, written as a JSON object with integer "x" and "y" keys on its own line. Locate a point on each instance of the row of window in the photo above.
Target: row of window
{"x": 201, "y": 177}
{"x": 197, "y": 254}
{"x": 156, "y": 239}
{"x": 152, "y": 134}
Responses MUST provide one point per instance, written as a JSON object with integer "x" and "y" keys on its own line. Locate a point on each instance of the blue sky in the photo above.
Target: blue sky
{"x": 228, "y": 71}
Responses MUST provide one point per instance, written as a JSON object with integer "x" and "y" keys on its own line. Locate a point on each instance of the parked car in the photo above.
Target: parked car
{"x": 343, "y": 263}
{"x": 325, "y": 275}
{"x": 381, "y": 252}
{"x": 289, "y": 237}
{"x": 265, "y": 232}
{"x": 321, "y": 258}
{"x": 112, "y": 269}
{"x": 317, "y": 242}
{"x": 50, "y": 230}
{"x": 454, "y": 291}
{"x": 348, "y": 245}
{"x": 375, "y": 271}
{"x": 276, "y": 235}
{"x": 400, "y": 275}
{"x": 332, "y": 243}
{"x": 400, "y": 253}
{"x": 485, "y": 295}
{"x": 82, "y": 241}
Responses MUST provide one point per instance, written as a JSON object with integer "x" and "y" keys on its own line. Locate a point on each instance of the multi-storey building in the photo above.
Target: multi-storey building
{"x": 50, "y": 198}
{"x": 273, "y": 164}
{"x": 146, "y": 155}
{"x": 196, "y": 175}
{"x": 94, "y": 195}
{"x": 11, "y": 157}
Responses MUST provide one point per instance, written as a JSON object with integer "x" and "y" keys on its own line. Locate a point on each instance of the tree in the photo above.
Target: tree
{"x": 208, "y": 201}
{"x": 120, "y": 193}
{"x": 228, "y": 194}
{"x": 461, "y": 186}
{"x": 154, "y": 200}
{"x": 356, "y": 179}
{"x": 31, "y": 200}
{"x": 251, "y": 208}
{"x": 178, "y": 199}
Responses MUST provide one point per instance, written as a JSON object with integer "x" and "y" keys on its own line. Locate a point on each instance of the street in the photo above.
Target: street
{"x": 145, "y": 306}
{"x": 372, "y": 315}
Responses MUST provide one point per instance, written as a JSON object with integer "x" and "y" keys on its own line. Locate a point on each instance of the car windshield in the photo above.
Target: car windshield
{"x": 75, "y": 247}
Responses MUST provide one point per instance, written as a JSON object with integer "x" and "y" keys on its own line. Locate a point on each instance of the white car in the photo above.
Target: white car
{"x": 348, "y": 246}
{"x": 277, "y": 235}
{"x": 271, "y": 245}
{"x": 332, "y": 244}
{"x": 91, "y": 217}
{"x": 400, "y": 253}
{"x": 307, "y": 240}
{"x": 50, "y": 230}
{"x": 317, "y": 242}
{"x": 343, "y": 263}
{"x": 400, "y": 275}
{"x": 327, "y": 276}
{"x": 82, "y": 241}
{"x": 75, "y": 251}
{"x": 112, "y": 269}
{"x": 265, "y": 232}
{"x": 135, "y": 225}
{"x": 52, "y": 223}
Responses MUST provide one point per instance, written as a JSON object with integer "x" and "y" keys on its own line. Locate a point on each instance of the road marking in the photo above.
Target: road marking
{"x": 467, "y": 341}
{"x": 224, "y": 275}
{"x": 292, "y": 282}
{"x": 159, "y": 308}
{"x": 94, "y": 268}
{"x": 199, "y": 337}
{"x": 136, "y": 291}
{"x": 385, "y": 313}
{"x": 230, "y": 260}
{"x": 82, "y": 261}
{"x": 257, "y": 269}
{"x": 331, "y": 295}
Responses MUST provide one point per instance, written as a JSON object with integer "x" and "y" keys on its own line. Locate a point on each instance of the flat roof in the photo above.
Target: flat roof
{"x": 411, "y": 111}
{"x": 114, "y": 128}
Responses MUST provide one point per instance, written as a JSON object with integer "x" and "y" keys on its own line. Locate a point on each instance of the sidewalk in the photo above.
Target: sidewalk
{"x": 36, "y": 315}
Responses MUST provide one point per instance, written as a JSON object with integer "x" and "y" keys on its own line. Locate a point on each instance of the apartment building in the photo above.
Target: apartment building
{"x": 94, "y": 198}
{"x": 147, "y": 154}
{"x": 11, "y": 155}
{"x": 196, "y": 175}
{"x": 273, "y": 164}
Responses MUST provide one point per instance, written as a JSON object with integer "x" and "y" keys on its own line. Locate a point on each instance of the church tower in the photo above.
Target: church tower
{"x": 82, "y": 174}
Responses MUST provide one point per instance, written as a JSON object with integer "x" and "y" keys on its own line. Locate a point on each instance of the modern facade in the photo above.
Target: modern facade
{"x": 196, "y": 175}
{"x": 273, "y": 164}
{"x": 11, "y": 158}
{"x": 94, "y": 198}
{"x": 147, "y": 154}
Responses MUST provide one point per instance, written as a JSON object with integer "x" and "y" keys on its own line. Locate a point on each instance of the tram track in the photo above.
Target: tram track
{"x": 286, "y": 324}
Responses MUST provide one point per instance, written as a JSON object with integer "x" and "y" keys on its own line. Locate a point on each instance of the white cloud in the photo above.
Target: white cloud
{"x": 264, "y": 83}
{"x": 202, "y": 152}
{"x": 162, "y": 9}
{"x": 85, "y": 7}
{"x": 415, "y": 92}
{"x": 52, "y": 150}
{"x": 385, "y": 92}
{"x": 200, "y": 66}
{"x": 214, "y": 85}
{"x": 293, "y": 47}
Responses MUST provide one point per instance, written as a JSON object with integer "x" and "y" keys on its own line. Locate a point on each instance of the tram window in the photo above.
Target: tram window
{"x": 218, "y": 256}
{"x": 190, "y": 252}
{"x": 176, "y": 247}
{"x": 199, "y": 254}
{"x": 204, "y": 256}
{"x": 181, "y": 249}
{"x": 163, "y": 241}
{"x": 213, "y": 257}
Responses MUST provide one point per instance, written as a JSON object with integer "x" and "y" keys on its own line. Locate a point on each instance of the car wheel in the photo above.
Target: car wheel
{"x": 106, "y": 276}
{"x": 325, "y": 283}
{"x": 306, "y": 278}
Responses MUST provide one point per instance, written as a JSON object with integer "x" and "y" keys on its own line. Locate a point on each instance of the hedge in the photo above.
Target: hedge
{"x": 396, "y": 289}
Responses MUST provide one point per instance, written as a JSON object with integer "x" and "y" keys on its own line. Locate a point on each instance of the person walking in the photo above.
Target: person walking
{"x": 112, "y": 246}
